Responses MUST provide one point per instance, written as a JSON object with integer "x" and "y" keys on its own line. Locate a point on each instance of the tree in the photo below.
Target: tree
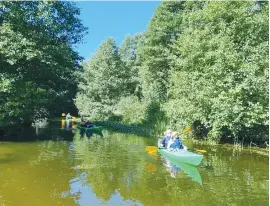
{"x": 36, "y": 57}
{"x": 155, "y": 51}
{"x": 103, "y": 81}
{"x": 128, "y": 52}
{"x": 221, "y": 74}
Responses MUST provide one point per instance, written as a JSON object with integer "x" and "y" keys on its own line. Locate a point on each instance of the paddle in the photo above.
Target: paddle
{"x": 152, "y": 149}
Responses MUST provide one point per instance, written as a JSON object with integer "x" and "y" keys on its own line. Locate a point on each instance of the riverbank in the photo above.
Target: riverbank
{"x": 19, "y": 133}
{"x": 149, "y": 132}
{"x": 124, "y": 128}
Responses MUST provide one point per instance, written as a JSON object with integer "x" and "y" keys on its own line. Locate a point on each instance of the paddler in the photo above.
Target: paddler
{"x": 176, "y": 142}
{"x": 68, "y": 116}
{"x": 166, "y": 138}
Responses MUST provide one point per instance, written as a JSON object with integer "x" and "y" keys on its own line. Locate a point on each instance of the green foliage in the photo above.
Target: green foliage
{"x": 128, "y": 52}
{"x": 37, "y": 61}
{"x": 199, "y": 130}
{"x": 221, "y": 74}
{"x": 155, "y": 51}
{"x": 198, "y": 63}
{"x": 103, "y": 82}
{"x": 132, "y": 110}
{"x": 109, "y": 77}
{"x": 154, "y": 114}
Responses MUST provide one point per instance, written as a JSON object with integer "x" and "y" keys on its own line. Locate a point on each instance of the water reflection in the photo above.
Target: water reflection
{"x": 63, "y": 122}
{"x": 174, "y": 167}
{"x": 116, "y": 170}
{"x": 86, "y": 194}
{"x": 67, "y": 124}
{"x": 89, "y": 133}
{"x": 70, "y": 125}
{"x": 39, "y": 125}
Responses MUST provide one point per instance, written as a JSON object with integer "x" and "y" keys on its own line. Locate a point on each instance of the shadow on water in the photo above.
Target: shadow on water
{"x": 39, "y": 131}
{"x": 89, "y": 134}
{"x": 138, "y": 130}
{"x": 49, "y": 130}
{"x": 42, "y": 130}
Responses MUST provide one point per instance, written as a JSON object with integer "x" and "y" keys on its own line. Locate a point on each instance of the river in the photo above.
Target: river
{"x": 63, "y": 167}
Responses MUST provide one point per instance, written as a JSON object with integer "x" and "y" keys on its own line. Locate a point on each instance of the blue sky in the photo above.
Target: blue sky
{"x": 112, "y": 19}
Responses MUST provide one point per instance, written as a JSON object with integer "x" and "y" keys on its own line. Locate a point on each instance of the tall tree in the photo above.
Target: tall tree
{"x": 103, "y": 81}
{"x": 37, "y": 60}
{"x": 128, "y": 52}
{"x": 155, "y": 51}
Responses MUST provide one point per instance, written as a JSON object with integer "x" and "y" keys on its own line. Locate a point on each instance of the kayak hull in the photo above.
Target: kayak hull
{"x": 182, "y": 156}
{"x": 91, "y": 129}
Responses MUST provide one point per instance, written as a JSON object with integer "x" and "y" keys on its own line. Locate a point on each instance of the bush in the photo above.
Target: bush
{"x": 131, "y": 109}
{"x": 199, "y": 130}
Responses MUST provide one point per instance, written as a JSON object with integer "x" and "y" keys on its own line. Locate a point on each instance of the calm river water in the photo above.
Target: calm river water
{"x": 64, "y": 167}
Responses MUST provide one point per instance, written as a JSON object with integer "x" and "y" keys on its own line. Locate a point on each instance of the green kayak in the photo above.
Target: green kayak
{"x": 182, "y": 156}
{"x": 92, "y": 129}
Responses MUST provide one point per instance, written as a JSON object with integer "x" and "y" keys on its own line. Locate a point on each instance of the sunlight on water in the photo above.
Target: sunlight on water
{"x": 116, "y": 170}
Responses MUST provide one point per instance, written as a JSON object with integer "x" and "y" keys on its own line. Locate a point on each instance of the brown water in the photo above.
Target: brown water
{"x": 116, "y": 170}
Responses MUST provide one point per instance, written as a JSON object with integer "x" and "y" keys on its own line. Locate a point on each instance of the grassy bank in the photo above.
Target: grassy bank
{"x": 149, "y": 131}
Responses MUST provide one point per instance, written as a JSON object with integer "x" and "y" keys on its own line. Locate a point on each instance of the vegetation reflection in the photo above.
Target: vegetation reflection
{"x": 118, "y": 164}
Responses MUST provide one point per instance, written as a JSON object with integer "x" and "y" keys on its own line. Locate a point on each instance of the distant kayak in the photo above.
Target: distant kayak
{"x": 182, "y": 156}
{"x": 95, "y": 128}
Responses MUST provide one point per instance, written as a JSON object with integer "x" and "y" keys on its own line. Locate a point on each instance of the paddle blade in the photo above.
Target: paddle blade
{"x": 153, "y": 153}
{"x": 201, "y": 150}
{"x": 151, "y": 149}
{"x": 197, "y": 150}
{"x": 187, "y": 130}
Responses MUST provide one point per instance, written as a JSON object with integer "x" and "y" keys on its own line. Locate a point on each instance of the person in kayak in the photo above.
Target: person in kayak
{"x": 82, "y": 123}
{"x": 166, "y": 138}
{"x": 68, "y": 116}
{"x": 175, "y": 142}
{"x": 170, "y": 142}
{"x": 89, "y": 124}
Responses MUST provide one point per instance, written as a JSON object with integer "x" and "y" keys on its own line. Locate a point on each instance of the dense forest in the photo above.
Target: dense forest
{"x": 202, "y": 64}
{"x": 199, "y": 63}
